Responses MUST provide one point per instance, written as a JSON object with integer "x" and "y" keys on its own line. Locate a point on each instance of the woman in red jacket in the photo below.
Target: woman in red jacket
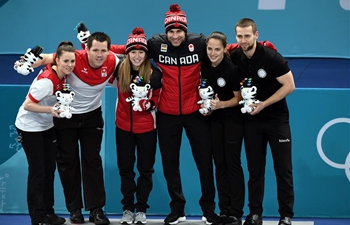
{"x": 136, "y": 129}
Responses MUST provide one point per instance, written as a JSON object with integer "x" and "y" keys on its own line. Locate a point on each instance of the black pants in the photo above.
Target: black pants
{"x": 146, "y": 144}
{"x": 197, "y": 129}
{"x": 227, "y": 138}
{"x": 85, "y": 130}
{"x": 40, "y": 149}
{"x": 278, "y": 135}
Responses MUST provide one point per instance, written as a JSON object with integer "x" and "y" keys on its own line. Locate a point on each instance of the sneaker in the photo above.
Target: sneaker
{"x": 222, "y": 219}
{"x": 98, "y": 217}
{"x": 76, "y": 216}
{"x": 45, "y": 221}
{"x": 54, "y": 219}
{"x": 285, "y": 221}
{"x": 253, "y": 219}
{"x": 128, "y": 217}
{"x": 175, "y": 218}
{"x": 232, "y": 220}
{"x": 210, "y": 217}
{"x": 140, "y": 218}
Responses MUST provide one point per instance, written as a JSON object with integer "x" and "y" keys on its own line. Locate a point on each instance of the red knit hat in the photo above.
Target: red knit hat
{"x": 175, "y": 19}
{"x": 137, "y": 40}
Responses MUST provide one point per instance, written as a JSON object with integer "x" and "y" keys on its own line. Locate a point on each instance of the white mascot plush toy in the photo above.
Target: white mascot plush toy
{"x": 64, "y": 99}
{"x": 24, "y": 65}
{"x": 83, "y": 33}
{"x": 248, "y": 92}
{"x": 139, "y": 92}
{"x": 206, "y": 93}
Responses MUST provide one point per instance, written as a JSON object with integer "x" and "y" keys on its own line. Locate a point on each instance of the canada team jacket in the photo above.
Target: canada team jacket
{"x": 180, "y": 72}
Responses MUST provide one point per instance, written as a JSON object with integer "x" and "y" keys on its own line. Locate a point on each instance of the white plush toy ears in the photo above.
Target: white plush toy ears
{"x": 58, "y": 93}
{"x": 133, "y": 85}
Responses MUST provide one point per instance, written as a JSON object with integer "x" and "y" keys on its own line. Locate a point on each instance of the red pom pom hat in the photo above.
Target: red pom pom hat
{"x": 175, "y": 19}
{"x": 136, "y": 40}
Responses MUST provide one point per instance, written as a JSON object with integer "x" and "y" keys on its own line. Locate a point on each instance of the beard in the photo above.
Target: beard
{"x": 249, "y": 47}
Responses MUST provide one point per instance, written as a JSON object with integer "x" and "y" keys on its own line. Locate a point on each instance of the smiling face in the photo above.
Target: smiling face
{"x": 215, "y": 51}
{"x": 65, "y": 62}
{"x": 176, "y": 36}
{"x": 246, "y": 38}
{"x": 97, "y": 53}
{"x": 137, "y": 57}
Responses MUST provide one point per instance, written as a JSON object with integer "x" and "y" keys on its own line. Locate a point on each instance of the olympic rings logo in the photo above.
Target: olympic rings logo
{"x": 346, "y": 165}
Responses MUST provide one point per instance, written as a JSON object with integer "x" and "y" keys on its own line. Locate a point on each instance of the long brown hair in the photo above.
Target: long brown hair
{"x": 124, "y": 73}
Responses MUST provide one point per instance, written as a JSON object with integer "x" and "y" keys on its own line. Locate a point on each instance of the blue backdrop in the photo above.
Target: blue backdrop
{"x": 299, "y": 28}
{"x": 320, "y": 118}
{"x": 321, "y": 158}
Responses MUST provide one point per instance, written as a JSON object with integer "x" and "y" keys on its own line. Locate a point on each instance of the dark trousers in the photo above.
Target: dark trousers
{"x": 278, "y": 135}
{"x": 84, "y": 130}
{"x": 227, "y": 138}
{"x": 197, "y": 129}
{"x": 40, "y": 149}
{"x": 127, "y": 143}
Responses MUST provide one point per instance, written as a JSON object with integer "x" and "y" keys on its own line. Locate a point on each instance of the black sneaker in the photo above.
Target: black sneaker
{"x": 222, "y": 219}
{"x": 98, "y": 217}
{"x": 253, "y": 219}
{"x": 285, "y": 221}
{"x": 232, "y": 220}
{"x": 175, "y": 218}
{"x": 45, "y": 221}
{"x": 76, "y": 216}
{"x": 54, "y": 219}
{"x": 210, "y": 218}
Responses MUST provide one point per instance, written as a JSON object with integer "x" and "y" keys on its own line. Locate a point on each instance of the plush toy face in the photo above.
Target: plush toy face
{"x": 248, "y": 92}
{"x": 65, "y": 99}
{"x": 206, "y": 92}
{"x": 139, "y": 91}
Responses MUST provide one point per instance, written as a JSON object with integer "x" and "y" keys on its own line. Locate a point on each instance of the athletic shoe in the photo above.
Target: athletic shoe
{"x": 76, "y": 216}
{"x": 128, "y": 217}
{"x": 253, "y": 219}
{"x": 232, "y": 220}
{"x": 98, "y": 217}
{"x": 140, "y": 218}
{"x": 175, "y": 218}
{"x": 210, "y": 217}
{"x": 222, "y": 219}
{"x": 285, "y": 221}
{"x": 54, "y": 219}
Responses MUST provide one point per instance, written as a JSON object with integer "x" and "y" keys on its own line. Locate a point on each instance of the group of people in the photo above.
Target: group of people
{"x": 170, "y": 107}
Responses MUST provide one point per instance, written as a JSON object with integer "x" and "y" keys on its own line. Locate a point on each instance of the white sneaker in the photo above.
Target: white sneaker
{"x": 140, "y": 218}
{"x": 128, "y": 217}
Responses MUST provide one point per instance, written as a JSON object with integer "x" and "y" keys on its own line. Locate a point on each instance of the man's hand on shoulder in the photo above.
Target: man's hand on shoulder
{"x": 268, "y": 44}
